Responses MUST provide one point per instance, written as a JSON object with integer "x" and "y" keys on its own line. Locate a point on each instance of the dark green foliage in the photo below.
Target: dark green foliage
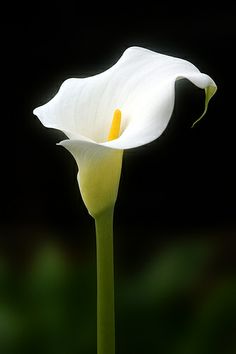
{"x": 175, "y": 305}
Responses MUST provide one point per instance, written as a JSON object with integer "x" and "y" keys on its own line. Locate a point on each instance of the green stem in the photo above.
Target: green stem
{"x": 105, "y": 283}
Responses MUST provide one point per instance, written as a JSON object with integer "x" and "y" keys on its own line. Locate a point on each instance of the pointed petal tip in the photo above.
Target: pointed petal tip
{"x": 63, "y": 142}
{"x": 35, "y": 111}
{"x": 38, "y": 112}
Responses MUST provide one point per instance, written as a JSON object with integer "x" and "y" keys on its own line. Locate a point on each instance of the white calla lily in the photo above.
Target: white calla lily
{"x": 140, "y": 86}
{"x": 126, "y": 106}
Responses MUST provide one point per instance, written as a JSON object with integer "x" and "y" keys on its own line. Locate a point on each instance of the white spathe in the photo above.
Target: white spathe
{"x": 142, "y": 86}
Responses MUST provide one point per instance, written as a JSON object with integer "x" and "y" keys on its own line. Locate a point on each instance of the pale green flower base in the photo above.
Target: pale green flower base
{"x": 105, "y": 283}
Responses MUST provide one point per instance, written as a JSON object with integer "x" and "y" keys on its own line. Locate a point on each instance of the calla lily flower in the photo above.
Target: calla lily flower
{"x": 126, "y": 106}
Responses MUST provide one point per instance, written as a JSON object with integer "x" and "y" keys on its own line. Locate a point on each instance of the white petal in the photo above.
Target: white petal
{"x": 141, "y": 84}
{"x": 151, "y": 114}
{"x": 99, "y": 173}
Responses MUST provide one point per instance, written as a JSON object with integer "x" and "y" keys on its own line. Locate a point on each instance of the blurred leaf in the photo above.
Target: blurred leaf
{"x": 12, "y": 329}
{"x": 213, "y": 328}
{"x": 59, "y": 303}
{"x": 48, "y": 273}
{"x": 154, "y": 306}
{"x": 171, "y": 273}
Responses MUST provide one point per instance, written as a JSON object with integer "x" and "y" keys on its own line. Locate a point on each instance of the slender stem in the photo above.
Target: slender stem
{"x": 105, "y": 283}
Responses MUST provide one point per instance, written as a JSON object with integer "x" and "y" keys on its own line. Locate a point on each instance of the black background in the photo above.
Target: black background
{"x": 184, "y": 181}
{"x": 180, "y": 187}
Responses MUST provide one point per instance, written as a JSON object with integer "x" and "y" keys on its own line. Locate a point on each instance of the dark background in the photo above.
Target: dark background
{"x": 178, "y": 191}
